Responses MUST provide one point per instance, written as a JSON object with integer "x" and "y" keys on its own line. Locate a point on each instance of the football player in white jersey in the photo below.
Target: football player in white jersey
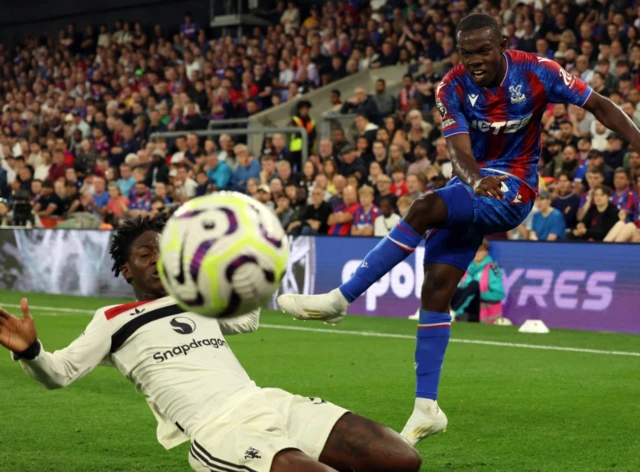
{"x": 196, "y": 387}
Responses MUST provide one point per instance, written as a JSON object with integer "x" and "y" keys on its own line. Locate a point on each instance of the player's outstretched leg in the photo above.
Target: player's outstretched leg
{"x": 434, "y": 329}
{"x": 358, "y": 444}
{"x": 426, "y": 212}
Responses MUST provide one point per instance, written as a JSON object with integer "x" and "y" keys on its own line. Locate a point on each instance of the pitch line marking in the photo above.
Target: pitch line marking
{"x": 61, "y": 311}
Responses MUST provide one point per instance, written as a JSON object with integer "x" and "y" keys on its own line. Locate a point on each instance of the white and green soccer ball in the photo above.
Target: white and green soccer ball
{"x": 223, "y": 254}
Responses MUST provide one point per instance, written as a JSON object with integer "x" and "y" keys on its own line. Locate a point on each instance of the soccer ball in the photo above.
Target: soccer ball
{"x": 223, "y": 254}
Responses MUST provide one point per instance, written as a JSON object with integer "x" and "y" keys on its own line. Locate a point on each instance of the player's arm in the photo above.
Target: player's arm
{"x": 467, "y": 169}
{"x": 60, "y": 368}
{"x": 612, "y": 117}
{"x": 456, "y": 131}
{"x": 240, "y": 324}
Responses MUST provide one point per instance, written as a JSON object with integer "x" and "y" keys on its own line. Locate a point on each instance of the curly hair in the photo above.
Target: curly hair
{"x": 127, "y": 234}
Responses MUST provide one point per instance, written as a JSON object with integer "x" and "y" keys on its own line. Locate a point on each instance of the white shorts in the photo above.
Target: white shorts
{"x": 248, "y": 436}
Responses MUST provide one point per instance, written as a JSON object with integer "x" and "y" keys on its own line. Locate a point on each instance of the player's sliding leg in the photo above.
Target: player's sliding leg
{"x": 361, "y": 445}
{"x": 427, "y": 212}
{"x": 434, "y": 328}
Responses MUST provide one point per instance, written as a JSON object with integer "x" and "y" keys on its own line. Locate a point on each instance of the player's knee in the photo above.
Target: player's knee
{"x": 426, "y": 212}
{"x": 405, "y": 458}
{"x": 438, "y": 288}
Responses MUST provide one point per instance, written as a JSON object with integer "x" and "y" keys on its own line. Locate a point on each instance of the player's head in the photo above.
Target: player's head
{"x": 481, "y": 45}
{"x": 135, "y": 250}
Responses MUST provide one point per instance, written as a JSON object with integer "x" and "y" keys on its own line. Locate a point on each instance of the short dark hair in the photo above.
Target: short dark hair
{"x": 621, "y": 170}
{"x": 478, "y": 21}
{"x": 127, "y": 234}
{"x": 564, "y": 174}
{"x": 604, "y": 189}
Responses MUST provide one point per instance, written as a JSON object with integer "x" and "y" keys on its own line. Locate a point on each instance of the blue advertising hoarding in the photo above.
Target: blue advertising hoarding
{"x": 567, "y": 285}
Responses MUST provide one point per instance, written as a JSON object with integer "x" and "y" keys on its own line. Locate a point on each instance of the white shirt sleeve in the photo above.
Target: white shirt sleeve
{"x": 240, "y": 324}
{"x": 60, "y": 368}
{"x": 379, "y": 228}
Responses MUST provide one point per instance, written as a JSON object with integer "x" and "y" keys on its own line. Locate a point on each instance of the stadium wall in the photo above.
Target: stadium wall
{"x": 567, "y": 285}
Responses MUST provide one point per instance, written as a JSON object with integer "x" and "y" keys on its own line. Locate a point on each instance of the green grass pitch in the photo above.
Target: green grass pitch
{"x": 511, "y": 408}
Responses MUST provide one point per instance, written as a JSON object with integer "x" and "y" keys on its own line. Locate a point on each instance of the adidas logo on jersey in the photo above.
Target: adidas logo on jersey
{"x": 496, "y": 127}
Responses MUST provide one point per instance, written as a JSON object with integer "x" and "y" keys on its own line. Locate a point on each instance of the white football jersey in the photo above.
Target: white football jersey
{"x": 179, "y": 360}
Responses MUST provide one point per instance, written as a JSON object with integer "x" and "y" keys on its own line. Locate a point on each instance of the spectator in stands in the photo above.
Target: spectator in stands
{"x": 339, "y": 183}
{"x": 283, "y": 210}
{"x": 58, "y": 168}
{"x": 126, "y": 181}
{"x": 416, "y": 185}
{"x": 566, "y": 201}
{"x": 247, "y": 168}
{"x": 480, "y": 292}
{"x": 340, "y": 143}
{"x": 385, "y": 102}
{"x": 160, "y": 191}
{"x": 632, "y": 166}
{"x": 313, "y": 220}
{"x": 268, "y": 171}
{"x": 365, "y": 216}
{"x": 548, "y": 223}
{"x": 421, "y": 162}
{"x": 568, "y": 161}
{"x": 399, "y": 185}
{"x": 48, "y": 205}
{"x": 285, "y": 174}
{"x": 396, "y": 159}
{"x": 140, "y": 204}
{"x": 185, "y": 186}
{"x": 308, "y": 175}
{"x": 362, "y": 104}
{"x": 96, "y": 202}
{"x": 158, "y": 170}
{"x": 118, "y": 205}
{"x": 352, "y": 164}
{"x": 279, "y": 149}
{"x": 263, "y": 195}
{"x": 366, "y": 128}
{"x": 341, "y": 219}
{"x": 615, "y": 151}
{"x": 71, "y": 203}
{"x": 387, "y": 220}
{"x": 624, "y": 198}
{"x": 383, "y": 186}
{"x": 599, "y": 218}
{"x": 218, "y": 172}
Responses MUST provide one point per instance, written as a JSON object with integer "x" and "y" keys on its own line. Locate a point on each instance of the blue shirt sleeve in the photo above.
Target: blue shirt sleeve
{"x": 450, "y": 106}
{"x": 559, "y": 85}
{"x": 558, "y": 224}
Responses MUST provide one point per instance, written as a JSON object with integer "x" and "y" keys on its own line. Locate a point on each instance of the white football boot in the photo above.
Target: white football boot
{"x": 426, "y": 420}
{"x": 329, "y": 307}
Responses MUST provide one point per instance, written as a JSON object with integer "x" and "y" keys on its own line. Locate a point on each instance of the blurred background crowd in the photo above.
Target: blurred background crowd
{"x": 79, "y": 112}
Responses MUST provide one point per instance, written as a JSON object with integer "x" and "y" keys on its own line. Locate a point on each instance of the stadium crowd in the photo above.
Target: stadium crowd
{"x": 78, "y": 111}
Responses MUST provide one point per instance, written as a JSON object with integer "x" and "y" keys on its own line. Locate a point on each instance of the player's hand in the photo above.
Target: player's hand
{"x": 17, "y": 334}
{"x": 490, "y": 186}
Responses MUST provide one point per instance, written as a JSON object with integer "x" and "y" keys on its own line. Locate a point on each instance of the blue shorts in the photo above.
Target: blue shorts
{"x": 470, "y": 218}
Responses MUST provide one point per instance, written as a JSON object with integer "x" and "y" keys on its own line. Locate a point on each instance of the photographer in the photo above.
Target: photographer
{"x": 20, "y": 213}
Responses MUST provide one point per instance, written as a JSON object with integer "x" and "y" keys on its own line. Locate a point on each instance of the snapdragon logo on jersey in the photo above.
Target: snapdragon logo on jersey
{"x": 183, "y": 325}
